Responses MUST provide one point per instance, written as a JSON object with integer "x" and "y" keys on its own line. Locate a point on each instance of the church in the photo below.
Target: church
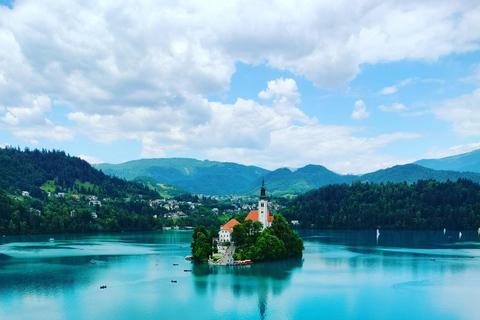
{"x": 262, "y": 215}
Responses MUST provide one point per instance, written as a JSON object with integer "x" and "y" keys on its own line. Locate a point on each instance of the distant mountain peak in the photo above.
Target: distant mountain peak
{"x": 465, "y": 162}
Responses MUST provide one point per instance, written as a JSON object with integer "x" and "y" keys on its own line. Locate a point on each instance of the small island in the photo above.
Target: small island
{"x": 260, "y": 237}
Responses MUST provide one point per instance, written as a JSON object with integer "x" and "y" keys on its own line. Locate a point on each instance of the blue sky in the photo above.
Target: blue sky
{"x": 355, "y": 86}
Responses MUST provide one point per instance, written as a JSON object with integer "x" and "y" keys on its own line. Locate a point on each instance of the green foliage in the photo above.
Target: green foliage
{"x": 426, "y": 204}
{"x": 274, "y": 243}
{"x": 202, "y": 244}
{"x": 268, "y": 247}
{"x": 53, "y": 170}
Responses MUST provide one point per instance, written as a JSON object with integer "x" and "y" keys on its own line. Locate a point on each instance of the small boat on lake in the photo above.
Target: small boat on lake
{"x": 237, "y": 263}
{"x": 188, "y": 258}
{"x": 103, "y": 287}
{"x": 51, "y": 240}
{"x": 173, "y": 281}
{"x": 187, "y": 270}
{"x": 175, "y": 264}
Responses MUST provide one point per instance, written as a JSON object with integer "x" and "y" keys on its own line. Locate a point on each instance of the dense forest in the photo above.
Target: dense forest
{"x": 273, "y": 243}
{"x": 57, "y": 172}
{"x": 426, "y": 204}
{"x": 59, "y": 215}
{"x": 51, "y": 192}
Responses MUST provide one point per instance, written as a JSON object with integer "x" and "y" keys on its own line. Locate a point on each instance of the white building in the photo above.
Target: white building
{"x": 225, "y": 234}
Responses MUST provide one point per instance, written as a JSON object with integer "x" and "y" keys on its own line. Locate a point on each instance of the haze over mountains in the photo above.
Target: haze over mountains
{"x": 225, "y": 178}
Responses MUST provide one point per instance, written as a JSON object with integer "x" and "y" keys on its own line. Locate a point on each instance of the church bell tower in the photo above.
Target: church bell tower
{"x": 262, "y": 206}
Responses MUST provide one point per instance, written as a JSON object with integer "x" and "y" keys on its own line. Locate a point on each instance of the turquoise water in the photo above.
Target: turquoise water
{"x": 343, "y": 275}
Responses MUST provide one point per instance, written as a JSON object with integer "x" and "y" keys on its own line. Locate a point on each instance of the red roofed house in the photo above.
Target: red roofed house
{"x": 262, "y": 214}
{"x": 226, "y": 230}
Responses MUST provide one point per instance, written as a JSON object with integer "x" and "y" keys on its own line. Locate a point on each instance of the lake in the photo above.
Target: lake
{"x": 342, "y": 275}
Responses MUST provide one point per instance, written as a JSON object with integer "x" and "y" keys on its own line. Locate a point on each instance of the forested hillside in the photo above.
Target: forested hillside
{"x": 54, "y": 171}
{"x": 222, "y": 178}
{"x": 51, "y": 192}
{"x": 195, "y": 176}
{"x": 426, "y": 204}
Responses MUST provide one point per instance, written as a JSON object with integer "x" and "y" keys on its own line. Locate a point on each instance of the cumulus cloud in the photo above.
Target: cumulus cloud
{"x": 281, "y": 90}
{"x": 360, "y": 111}
{"x": 396, "y": 107}
{"x": 31, "y": 111}
{"x": 109, "y": 54}
{"x": 328, "y": 145}
{"x": 285, "y": 96}
{"x": 143, "y": 70}
{"x": 90, "y": 159}
{"x": 48, "y": 131}
{"x": 463, "y": 112}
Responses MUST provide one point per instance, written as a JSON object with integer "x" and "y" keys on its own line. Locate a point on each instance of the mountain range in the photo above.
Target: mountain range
{"x": 226, "y": 178}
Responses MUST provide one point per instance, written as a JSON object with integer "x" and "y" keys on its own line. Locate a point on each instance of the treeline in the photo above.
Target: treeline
{"x": 426, "y": 204}
{"x": 60, "y": 215}
{"x": 30, "y": 170}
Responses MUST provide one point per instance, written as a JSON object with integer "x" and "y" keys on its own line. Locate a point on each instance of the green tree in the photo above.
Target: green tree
{"x": 201, "y": 245}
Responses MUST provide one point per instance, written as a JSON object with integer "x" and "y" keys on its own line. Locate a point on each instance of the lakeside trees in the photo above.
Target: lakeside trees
{"x": 426, "y": 204}
{"x": 202, "y": 245}
{"x": 274, "y": 243}
{"x": 59, "y": 215}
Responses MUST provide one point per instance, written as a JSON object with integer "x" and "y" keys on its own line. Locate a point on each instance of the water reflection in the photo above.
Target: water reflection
{"x": 259, "y": 279}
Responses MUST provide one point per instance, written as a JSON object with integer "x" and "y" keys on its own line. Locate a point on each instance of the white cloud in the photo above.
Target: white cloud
{"x": 360, "y": 111}
{"x": 281, "y": 90}
{"x": 396, "y": 107}
{"x": 90, "y": 159}
{"x": 48, "y": 131}
{"x": 463, "y": 112}
{"x": 326, "y": 145}
{"x": 140, "y": 54}
{"x": 285, "y": 96}
{"x": 31, "y": 111}
{"x": 141, "y": 71}
{"x": 245, "y": 132}
{"x": 394, "y": 88}
{"x": 10, "y": 119}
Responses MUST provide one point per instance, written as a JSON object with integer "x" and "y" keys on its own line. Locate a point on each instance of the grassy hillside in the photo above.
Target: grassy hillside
{"x": 165, "y": 190}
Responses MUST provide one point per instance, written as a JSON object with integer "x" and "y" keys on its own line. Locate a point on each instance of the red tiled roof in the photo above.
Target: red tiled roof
{"x": 253, "y": 215}
{"x": 229, "y": 225}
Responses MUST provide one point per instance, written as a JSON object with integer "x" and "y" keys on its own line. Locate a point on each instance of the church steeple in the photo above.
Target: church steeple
{"x": 262, "y": 191}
